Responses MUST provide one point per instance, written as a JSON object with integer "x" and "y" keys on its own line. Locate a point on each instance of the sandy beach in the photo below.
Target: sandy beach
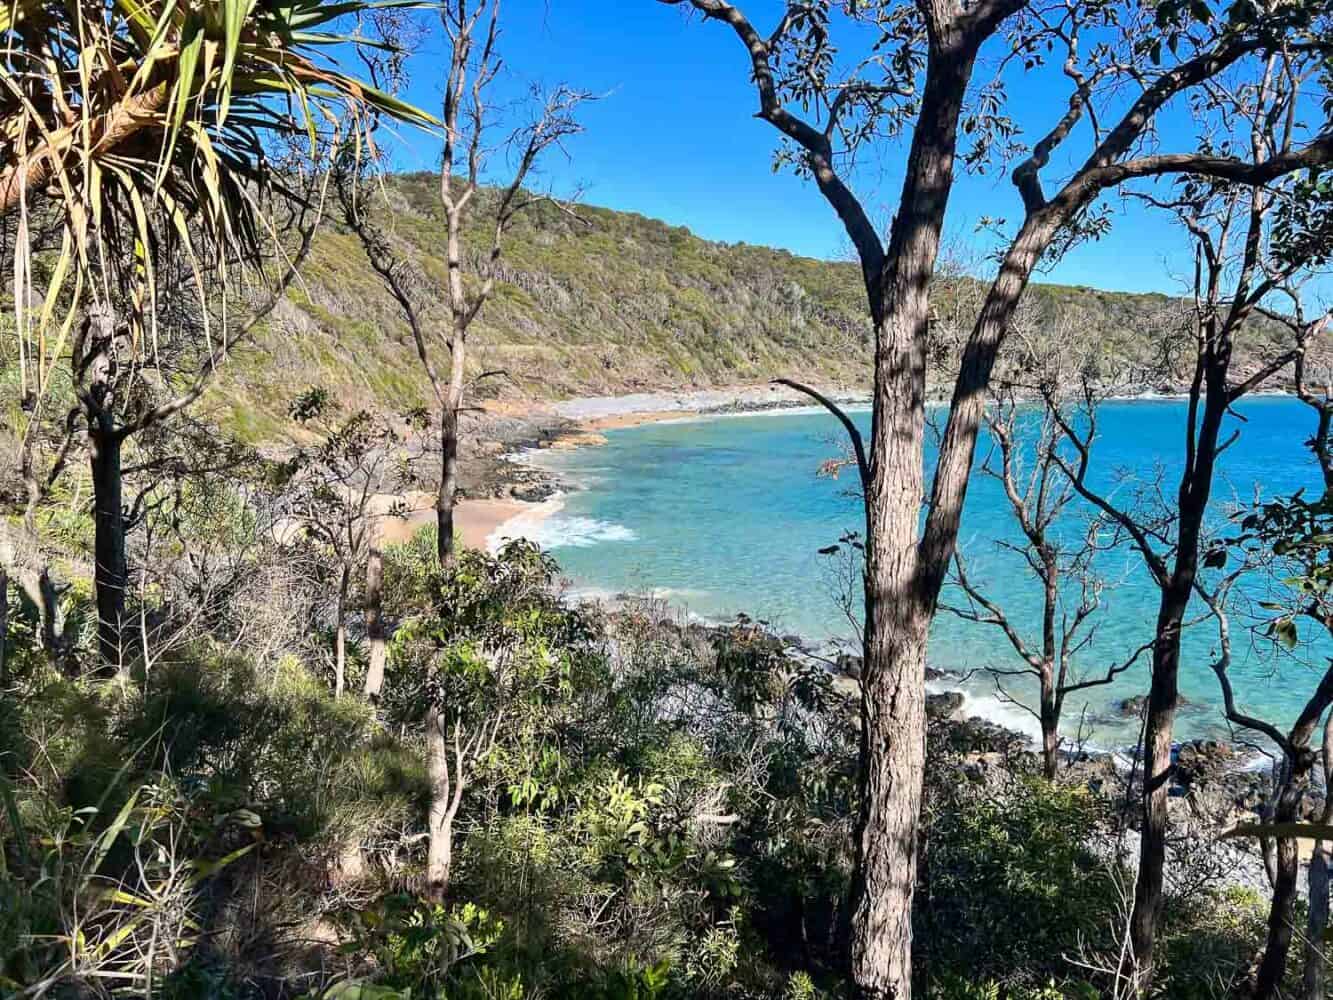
{"x": 593, "y": 414}
{"x": 474, "y": 520}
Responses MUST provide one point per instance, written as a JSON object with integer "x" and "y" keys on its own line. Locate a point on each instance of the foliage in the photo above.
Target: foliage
{"x": 665, "y": 812}
{"x": 1014, "y": 887}
{"x": 152, "y": 122}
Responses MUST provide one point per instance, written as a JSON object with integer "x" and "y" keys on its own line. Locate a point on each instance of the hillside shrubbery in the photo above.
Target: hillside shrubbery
{"x": 665, "y": 811}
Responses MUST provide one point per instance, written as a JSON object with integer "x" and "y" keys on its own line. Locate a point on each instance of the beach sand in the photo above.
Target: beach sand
{"x": 474, "y": 520}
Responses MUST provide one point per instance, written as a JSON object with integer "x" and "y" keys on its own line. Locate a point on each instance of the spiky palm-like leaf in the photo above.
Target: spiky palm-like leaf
{"x": 129, "y": 118}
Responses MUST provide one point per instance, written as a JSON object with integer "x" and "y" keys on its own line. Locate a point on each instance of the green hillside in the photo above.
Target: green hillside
{"x": 612, "y": 302}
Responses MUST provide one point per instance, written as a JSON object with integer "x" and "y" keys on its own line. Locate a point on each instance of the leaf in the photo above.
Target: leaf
{"x": 112, "y": 832}
{"x": 1284, "y": 630}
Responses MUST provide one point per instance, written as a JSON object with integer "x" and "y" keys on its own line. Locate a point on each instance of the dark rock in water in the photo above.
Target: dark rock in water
{"x": 849, "y": 665}
{"x": 935, "y": 675}
{"x": 1201, "y": 758}
{"x": 944, "y": 705}
{"x": 1135, "y": 705}
{"x": 534, "y": 493}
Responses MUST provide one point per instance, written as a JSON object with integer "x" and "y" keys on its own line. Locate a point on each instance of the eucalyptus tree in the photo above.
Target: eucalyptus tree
{"x": 1283, "y": 542}
{"x": 1056, "y": 543}
{"x": 472, "y": 122}
{"x": 1120, "y": 65}
{"x": 331, "y": 497}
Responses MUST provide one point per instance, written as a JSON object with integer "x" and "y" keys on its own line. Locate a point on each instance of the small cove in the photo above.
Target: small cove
{"x": 725, "y": 514}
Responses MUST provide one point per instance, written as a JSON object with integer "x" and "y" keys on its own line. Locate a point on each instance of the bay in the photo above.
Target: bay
{"x": 726, "y": 515}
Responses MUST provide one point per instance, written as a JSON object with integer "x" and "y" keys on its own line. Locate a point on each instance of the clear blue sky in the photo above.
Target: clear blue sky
{"x": 674, "y": 137}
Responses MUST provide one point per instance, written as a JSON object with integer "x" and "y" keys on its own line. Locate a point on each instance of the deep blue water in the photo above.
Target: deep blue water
{"x": 726, "y": 515}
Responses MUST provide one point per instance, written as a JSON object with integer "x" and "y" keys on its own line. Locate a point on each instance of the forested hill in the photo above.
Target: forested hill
{"x": 610, "y": 302}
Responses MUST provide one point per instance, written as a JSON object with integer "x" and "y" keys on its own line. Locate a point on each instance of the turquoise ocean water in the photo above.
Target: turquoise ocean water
{"x": 726, "y": 514}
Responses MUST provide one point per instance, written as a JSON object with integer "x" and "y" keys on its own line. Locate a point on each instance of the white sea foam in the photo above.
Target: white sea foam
{"x": 994, "y": 709}
{"x": 547, "y": 527}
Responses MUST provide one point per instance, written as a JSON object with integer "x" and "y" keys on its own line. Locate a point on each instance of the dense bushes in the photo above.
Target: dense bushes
{"x": 665, "y": 812}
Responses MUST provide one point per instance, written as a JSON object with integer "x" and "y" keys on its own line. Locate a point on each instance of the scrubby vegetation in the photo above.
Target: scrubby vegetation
{"x": 618, "y": 302}
{"x": 664, "y": 810}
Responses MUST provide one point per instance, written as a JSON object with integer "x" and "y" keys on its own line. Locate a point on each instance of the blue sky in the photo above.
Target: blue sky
{"x": 674, "y": 137}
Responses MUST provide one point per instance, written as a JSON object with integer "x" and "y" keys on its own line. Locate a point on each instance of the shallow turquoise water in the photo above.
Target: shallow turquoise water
{"x": 726, "y": 515}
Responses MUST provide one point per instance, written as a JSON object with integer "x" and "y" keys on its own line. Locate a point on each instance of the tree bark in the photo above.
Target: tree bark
{"x": 1316, "y": 924}
{"x": 898, "y": 606}
{"x": 4, "y": 626}
{"x": 444, "y": 503}
{"x": 1273, "y": 966}
{"x": 375, "y": 623}
{"x": 1164, "y": 689}
{"x": 440, "y": 849}
{"x": 1318, "y": 879}
{"x": 110, "y": 574}
{"x": 1050, "y": 722}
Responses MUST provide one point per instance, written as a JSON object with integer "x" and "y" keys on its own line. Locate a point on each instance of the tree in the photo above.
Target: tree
{"x": 331, "y": 500}
{"x": 123, "y": 388}
{"x": 1289, "y": 538}
{"x": 918, "y": 72}
{"x": 1024, "y": 461}
{"x": 472, "y": 31}
{"x": 1239, "y": 264}
{"x": 114, "y": 112}
{"x": 483, "y": 669}
{"x": 142, "y": 134}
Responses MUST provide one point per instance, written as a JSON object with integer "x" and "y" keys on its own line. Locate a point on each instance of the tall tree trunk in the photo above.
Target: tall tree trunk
{"x": 1273, "y": 966}
{"x": 375, "y": 623}
{"x": 893, "y": 732}
{"x": 110, "y": 574}
{"x": 1317, "y": 920}
{"x": 1316, "y": 924}
{"x": 340, "y": 640}
{"x": 444, "y": 503}
{"x": 440, "y": 847}
{"x": 1050, "y": 722}
{"x": 1164, "y": 689}
{"x": 4, "y": 626}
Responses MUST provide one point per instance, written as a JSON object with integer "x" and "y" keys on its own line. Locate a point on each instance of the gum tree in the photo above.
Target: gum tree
{"x": 1121, "y": 64}
{"x": 472, "y": 125}
{"x": 1058, "y": 546}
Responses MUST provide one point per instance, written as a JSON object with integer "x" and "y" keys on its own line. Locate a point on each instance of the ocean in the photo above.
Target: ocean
{"x": 725, "y": 515}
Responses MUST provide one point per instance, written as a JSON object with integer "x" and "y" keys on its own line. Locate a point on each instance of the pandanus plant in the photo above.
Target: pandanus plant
{"x": 138, "y": 138}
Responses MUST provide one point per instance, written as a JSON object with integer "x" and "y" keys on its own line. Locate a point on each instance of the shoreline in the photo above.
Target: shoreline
{"x": 585, "y": 418}
{"x": 476, "y": 520}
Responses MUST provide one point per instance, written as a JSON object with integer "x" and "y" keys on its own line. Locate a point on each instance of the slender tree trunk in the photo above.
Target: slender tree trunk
{"x": 4, "y": 626}
{"x": 110, "y": 574}
{"x": 1164, "y": 690}
{"x": 1273, "y": 966}
{"x": 1316, "y": 924}
{"x": 1050, "y": 723}
{"x": 375, "y": 623}
{"x": 1318, "y": 880}
{"x": 444, "y": 503}
{"x": 440, "y": 849}
{"x": 340, "y": 640}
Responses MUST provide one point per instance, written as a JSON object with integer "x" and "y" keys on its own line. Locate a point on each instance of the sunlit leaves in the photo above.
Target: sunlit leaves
{"x": 134, "y": 118}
